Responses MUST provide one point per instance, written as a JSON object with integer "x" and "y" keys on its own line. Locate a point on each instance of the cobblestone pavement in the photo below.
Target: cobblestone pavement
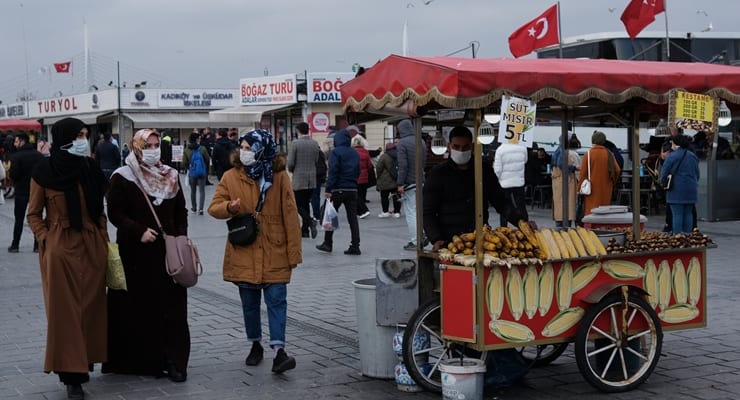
{"x": 322, "y": 329}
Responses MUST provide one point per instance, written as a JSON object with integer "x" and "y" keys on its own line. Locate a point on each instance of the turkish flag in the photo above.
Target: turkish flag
{"x": 639, "y": 14}
{"x": 535, "y": 34}
{"x": 63, "y": 68}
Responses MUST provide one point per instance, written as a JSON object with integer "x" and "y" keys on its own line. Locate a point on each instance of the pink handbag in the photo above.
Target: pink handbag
{"x": 181, "y": 260}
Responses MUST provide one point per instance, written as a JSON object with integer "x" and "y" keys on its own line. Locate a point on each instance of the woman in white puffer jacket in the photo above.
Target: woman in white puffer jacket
{"x": 508, "y": 164}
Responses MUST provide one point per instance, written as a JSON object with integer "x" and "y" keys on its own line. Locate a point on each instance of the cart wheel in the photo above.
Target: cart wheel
{"x": 424, "y": 348}
{"x": 542, "y": 355}
{"x": 617, "y": 348}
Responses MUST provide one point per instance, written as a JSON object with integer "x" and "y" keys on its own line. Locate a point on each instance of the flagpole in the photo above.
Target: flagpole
{"x": 405, "y": 45}
{"x": 87, "y": 55}
{"x": 560, "y": 34}
{"x": 667, "y": 38}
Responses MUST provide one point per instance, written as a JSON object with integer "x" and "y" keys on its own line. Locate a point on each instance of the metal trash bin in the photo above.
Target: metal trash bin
{"x": 377, "y": 359}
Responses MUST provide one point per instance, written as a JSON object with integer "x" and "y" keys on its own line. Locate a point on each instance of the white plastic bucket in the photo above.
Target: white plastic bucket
{"x": 462, "y": 380}
{"x": 377, "y": 359}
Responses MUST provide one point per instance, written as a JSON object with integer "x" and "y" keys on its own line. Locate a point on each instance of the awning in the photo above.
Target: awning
{"x": 244, "y": 115}
{"x": 88, "y": 119}
{"x": 19, "y": 124}
{"x": 169, "y": 119}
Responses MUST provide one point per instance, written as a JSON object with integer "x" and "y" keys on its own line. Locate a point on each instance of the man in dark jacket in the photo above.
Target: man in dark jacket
{"x": 22, "y": 163}
{"x": 108, "y": 155}
{"x": 449, "y": 192}
{"x": 341, "y": 188}
{"x": 222, "y": 149}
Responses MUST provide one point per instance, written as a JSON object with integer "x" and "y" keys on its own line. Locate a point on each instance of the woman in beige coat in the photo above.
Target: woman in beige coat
{"x": 574, "y": 162}
{"x": 265, "y": 266}
{"x": 65, "y": 212}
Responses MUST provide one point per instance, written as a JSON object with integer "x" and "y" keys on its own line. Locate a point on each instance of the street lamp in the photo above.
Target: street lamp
{"x": 439, "y": 146}
{"x": 725, "y": 117}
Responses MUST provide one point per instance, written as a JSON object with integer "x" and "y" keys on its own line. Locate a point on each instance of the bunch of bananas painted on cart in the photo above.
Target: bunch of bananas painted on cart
{"x": 531, "y": 285}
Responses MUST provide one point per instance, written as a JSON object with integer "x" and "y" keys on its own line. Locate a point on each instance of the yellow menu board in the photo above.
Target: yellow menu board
{"x": 692, "y": 111}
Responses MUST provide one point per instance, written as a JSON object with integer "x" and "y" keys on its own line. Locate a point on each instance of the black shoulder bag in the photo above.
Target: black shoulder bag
{"x": 243, "y": 229}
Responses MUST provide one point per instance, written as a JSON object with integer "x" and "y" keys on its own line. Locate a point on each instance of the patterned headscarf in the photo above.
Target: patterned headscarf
{"x": 264, "y": 148}
{"x": 159, "y": 181}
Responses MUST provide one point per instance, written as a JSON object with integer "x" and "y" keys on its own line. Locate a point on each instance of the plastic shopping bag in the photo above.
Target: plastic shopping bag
{"x": 330, "y": 221}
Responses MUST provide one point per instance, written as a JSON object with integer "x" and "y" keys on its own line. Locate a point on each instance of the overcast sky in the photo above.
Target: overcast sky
{"x": 188, "y": 43}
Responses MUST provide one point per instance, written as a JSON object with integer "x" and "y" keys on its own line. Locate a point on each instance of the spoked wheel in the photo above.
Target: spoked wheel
{"x": 542, "y": 355}
{"x": 424, "y": 348}
{"x": 618, "y": 343}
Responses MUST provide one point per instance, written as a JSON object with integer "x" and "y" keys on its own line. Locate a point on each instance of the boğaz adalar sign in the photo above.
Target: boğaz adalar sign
{"x": 518, "y": 118}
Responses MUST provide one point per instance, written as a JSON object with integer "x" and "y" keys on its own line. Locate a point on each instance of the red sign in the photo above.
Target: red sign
{"x": 319, "y": 122}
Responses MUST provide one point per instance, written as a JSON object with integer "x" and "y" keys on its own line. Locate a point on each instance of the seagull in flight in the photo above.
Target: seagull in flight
{"x": 708, "y": 28}
{"x": 702, "y": 12}
{"x": 427, "y": 2}
{"x": 409, "y": 5}
{"x": 611, "y": 10}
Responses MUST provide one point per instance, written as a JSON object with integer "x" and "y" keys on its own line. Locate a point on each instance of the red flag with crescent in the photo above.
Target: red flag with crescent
{"x": 63, "y": 68}
{"x": 538, "y": 33}
{"x": 639, "y": 14}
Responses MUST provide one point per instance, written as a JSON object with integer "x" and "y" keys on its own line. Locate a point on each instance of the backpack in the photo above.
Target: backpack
{"x": 197, "y": 167}
{"x": 393, "y": 170}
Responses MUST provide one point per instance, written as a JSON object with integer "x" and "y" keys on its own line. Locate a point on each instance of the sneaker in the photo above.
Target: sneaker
{"x": 193, "y": 210}
{"x": 282, "y": 362}
{"x": 200, "y": 212}
{"x": 255, "y": 355}
{"x": 364, "y": 215}
{"x": 410, "y": 246}
{"x": 384, "y": 215}
{"x": 312, "y": 227}
{"x": 13, "y": 249}
{"x": 353, "y": 251}
{"x": 396, "y": 215}
{"x": 324, "y": 247}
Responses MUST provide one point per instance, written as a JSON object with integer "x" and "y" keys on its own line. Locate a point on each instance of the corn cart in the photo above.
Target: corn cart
{"x": 614, "y": 306}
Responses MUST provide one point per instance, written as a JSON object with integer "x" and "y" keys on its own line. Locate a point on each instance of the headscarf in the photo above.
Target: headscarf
{"x": 65, "y": 172}
{"x": 159, "y": 181}
{"x": 598, "y": 138}
{"x": 264, "y": 148}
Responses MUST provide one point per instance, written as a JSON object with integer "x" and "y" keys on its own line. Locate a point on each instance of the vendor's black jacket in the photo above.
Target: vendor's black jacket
{"x": 21, "y": 166}
{"x": 449, "y": 200}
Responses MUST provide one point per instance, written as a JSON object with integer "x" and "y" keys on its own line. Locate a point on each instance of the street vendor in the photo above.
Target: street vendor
{"x": 449, "y": 192}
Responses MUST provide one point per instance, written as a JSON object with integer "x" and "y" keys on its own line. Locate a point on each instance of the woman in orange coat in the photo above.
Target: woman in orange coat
{"x": 265, "y": 266}
{"x": 604, "y": 173}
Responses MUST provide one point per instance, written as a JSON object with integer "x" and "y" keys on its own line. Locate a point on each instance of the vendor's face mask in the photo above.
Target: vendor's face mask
{"x": 460, "y": 157}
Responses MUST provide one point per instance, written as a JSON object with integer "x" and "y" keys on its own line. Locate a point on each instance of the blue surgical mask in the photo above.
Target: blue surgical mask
{"x": 79, "y": 147}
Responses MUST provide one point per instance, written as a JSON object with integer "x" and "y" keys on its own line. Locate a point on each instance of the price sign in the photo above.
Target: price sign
{"x": 517, "y": 121}
{"x": 692, "y": 110}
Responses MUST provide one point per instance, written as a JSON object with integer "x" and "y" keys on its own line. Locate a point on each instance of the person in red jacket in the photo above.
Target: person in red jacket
{"x": 366, "y": 168}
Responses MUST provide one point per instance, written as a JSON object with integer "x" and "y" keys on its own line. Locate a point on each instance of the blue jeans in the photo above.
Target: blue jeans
{"x": 277, "y": 310}
{"x": 409, "y": 209}
{"x": 682, "y": 218}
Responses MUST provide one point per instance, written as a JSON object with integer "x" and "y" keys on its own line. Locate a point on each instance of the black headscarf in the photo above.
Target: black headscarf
{"x": 64, "y": 172}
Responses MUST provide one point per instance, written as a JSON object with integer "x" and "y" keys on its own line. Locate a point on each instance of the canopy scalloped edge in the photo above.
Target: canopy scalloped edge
{"x": 370, "y": 102}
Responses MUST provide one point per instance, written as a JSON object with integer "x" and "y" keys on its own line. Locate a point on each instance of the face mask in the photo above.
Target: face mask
{"x": 150, "y": 157}
{"x": 460, "y": 157}
{"x": 79, "y": 147}
{"x": 246, "y": 157}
